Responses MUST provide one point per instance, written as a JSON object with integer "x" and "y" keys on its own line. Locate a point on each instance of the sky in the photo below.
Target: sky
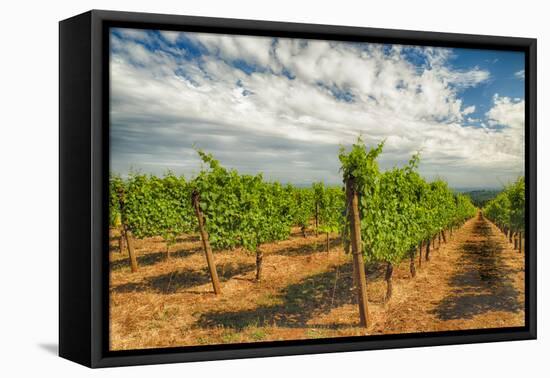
{"x": 284, "y": 107}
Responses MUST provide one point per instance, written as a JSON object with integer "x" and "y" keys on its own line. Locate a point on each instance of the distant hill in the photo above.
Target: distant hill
{"x": 480, "y": 197}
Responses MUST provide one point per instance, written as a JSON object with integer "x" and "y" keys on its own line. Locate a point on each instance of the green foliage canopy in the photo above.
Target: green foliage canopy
{"x": 398, "y": 209}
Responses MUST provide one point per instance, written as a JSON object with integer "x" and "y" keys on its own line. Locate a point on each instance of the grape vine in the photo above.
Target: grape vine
{"x": 507, "y": 212}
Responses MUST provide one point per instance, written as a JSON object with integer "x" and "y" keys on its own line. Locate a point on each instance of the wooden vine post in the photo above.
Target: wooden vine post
{"x": 131, "y": 251}
{"x": 412, "y": 268}
{"x": 428, "y": 250}
{"x": 205, "y": 243}
{"x": 352, "y": 199}
{"x": 520, "y": 244}
{"x": 259, "y": 264}
{"x": 345, "y": 230}
{"x": 388, "y": 278}
{"x": 121, "y": 240}
{"x": 420, "y": 246}
{"x": 126, "y": 233}
{"x": 316, "y": 218}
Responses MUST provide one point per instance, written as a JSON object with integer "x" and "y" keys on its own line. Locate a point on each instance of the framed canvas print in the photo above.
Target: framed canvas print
{"x": 233, "y": 188}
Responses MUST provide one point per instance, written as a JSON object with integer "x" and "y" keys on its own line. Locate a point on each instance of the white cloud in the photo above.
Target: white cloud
{"x": 520, "y": 74}
{"x": 470, "y": 78}
{"x": 469, "y": 110}
{"x": 162, "y": 103}
{"x": 170, "y": 36}
{"x": 252, "y": 49}
{"x": 507, "y": 112}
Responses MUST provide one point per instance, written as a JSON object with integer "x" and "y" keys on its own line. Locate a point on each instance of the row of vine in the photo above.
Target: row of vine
{"x": 507, "y": 212}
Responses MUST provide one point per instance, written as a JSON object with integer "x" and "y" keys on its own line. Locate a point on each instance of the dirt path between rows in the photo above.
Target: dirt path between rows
{"x": 474, "y": 281}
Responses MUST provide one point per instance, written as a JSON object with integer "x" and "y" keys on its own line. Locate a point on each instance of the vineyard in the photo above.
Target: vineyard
{"x": 230, "y": 257}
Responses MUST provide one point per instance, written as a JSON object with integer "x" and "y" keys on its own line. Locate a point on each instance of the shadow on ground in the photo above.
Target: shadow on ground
{"x": 183, "y": 279}
{"x": 484, "y": 284}
{"x": 153, "y": 258}
{"x": 295, "y": 305}
{"x": 310, "y": 248}
{"x": 51, "y": 348}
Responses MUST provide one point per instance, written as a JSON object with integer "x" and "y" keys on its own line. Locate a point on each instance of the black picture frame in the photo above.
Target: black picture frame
{"x": 83, "y": 181}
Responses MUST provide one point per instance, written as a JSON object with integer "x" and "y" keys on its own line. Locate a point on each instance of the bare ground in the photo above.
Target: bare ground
{"x": 475, "y": 280}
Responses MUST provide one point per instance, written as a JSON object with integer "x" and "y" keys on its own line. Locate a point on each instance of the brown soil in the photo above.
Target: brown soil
{"x": 475, "y": 280}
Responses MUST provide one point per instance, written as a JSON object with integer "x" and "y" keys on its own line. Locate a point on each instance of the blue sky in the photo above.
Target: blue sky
{"x": 284, "y": 106}
{"x": 504, "y": 67}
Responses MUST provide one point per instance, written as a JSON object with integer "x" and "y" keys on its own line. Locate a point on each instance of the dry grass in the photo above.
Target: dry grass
{"x": 474, "y": 281}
